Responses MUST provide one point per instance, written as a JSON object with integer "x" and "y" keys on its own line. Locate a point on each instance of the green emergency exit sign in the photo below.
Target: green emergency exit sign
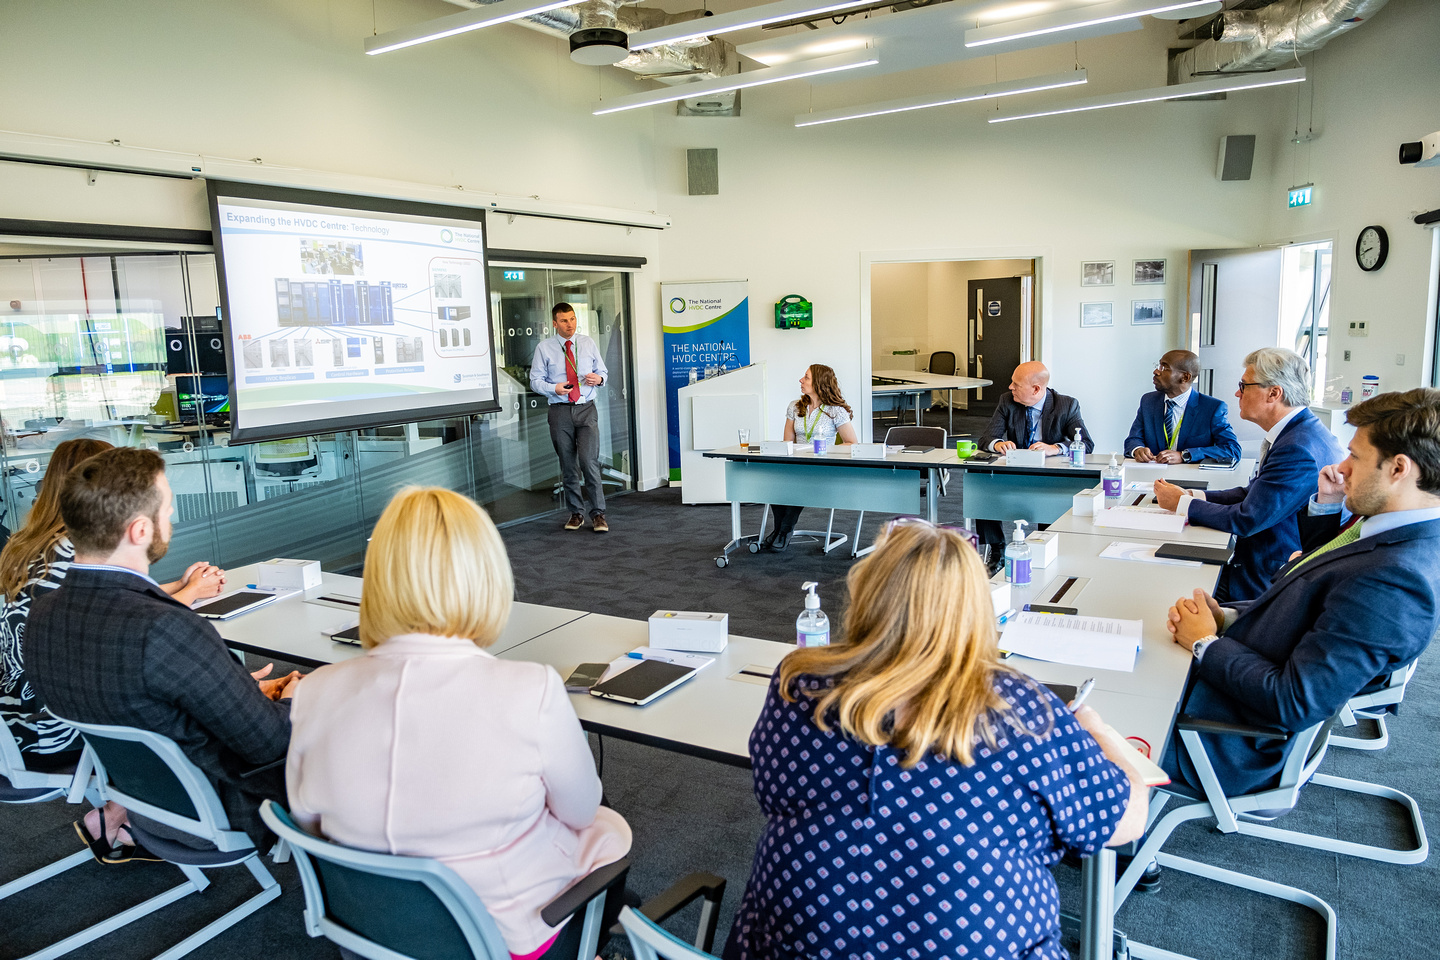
{"x": 1302, "y": 195}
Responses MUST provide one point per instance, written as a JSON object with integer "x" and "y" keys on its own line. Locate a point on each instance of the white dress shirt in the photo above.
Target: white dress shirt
{"x": 547, "y": 369}
{"x": 1180, "y": 404}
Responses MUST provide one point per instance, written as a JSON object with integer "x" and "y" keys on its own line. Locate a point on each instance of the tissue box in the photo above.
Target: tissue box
{"x": 1044, "y": 547}
{"x": 775, "y": 448}
{"x": 1025, "y": 458}
{"x": 1087, "y": 503}
{"x": 289, "y": 574}
{"x": 680, "y": 630}
{"x": 1000, "y": 596}
{"x": 868, "y": 451}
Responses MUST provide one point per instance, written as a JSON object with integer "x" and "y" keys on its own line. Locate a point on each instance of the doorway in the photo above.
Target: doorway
{"x": 981, "y": 312}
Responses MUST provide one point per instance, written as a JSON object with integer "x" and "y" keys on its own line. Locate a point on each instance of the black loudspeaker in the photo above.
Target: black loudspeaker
{"x": 1237, "y": 156}
{"x": 702, "y": 168}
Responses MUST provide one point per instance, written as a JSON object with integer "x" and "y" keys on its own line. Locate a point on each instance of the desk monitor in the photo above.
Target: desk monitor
{"x": 316, "y": 289}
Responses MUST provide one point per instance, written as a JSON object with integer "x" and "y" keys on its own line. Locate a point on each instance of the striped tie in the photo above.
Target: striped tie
{"x": 1347, "y": 536}
{"x": 1172, "y": 422}
{"x": 1264, "y": 452}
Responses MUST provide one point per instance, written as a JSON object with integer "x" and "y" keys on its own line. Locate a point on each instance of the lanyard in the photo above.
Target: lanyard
{"x": 1171, "y": 438}
{"x": 811, "y": 425}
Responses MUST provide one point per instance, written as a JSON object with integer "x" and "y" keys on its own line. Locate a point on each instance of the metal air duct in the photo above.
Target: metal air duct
{"x": 1251, "y": 41}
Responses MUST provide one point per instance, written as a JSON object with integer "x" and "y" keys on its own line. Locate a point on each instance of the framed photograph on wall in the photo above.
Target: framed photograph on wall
{"x": 1147, "y": 313}
{"x": 1097, "y": 314}
{"x": 1097, "y": 273}
{"x": 1149, "y": 271}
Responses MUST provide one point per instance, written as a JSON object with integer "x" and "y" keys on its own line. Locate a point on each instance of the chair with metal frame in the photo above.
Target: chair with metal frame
{"x": 1374, "y": 704}
{"x": 909, "y": 437}
{"x": 650, "y": 941}
{"x": 1248, "y": 814}
{"x": 149, "y": 776}
{"x": 430, "y": 912}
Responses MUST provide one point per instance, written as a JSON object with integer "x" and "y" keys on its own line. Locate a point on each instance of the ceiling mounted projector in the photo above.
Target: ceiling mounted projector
{"x": 599, "y": 46}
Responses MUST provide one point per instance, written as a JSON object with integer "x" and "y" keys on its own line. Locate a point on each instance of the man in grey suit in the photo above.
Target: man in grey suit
{"x": 111, "y": 647}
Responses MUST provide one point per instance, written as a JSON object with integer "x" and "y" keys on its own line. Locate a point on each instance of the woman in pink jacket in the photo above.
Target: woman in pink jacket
{"x": 429, "y": 746}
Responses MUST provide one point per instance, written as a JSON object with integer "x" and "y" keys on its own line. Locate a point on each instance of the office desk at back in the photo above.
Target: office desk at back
{"x": 295, "y": 628}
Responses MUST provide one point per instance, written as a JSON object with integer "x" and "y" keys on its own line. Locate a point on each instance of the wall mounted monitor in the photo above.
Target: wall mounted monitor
{"x": 343, "y": 312}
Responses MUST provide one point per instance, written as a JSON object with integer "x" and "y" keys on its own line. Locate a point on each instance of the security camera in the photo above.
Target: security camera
{"x": 1422, "y": 153}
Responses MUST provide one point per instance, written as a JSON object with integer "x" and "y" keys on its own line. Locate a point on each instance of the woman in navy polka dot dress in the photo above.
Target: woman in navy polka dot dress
{"x": 917, "y": 790}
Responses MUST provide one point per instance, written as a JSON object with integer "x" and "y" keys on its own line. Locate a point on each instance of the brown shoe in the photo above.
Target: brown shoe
{"x": 575, "y": 522}
{"x": 598, "y": 522}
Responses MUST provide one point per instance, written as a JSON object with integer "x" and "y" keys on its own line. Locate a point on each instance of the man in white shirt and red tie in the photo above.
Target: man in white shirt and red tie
{"x": 567, "y": 369}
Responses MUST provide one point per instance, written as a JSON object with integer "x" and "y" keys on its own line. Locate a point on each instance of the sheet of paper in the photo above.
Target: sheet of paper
{"x": 694, "y": 661}
{"x": 1142, "y": 518}
{"x": 1144, "y": 552}
{"x": 1144, "y": 471}
{"x": 1098, "y": 642}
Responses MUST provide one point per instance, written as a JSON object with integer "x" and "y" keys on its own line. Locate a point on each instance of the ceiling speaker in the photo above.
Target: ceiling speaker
{"x": 599, "y": 46}
{"x": 1237, "y": 157}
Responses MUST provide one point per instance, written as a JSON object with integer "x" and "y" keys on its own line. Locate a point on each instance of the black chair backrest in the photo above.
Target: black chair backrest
{"x": 942, "y": 362}
{"x": 399, "y": 914}
{"x": 136, "y": 770}
{"x": 916, "y": 436}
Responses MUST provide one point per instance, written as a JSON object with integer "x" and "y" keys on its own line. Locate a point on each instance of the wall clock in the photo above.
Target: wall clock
{"x": 1371, "y": 248}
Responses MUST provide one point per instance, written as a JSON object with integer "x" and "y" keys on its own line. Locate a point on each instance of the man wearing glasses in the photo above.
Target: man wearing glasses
{"x": 1177, "y": 423}
{"x": 1263, "y": 515}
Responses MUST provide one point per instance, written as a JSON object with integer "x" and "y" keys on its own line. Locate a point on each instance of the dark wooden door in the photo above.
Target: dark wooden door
{"x": 995, "y": 310}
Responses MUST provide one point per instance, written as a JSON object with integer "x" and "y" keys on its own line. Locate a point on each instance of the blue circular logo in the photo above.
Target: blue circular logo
{"x": 446, "y": 236}
{"x": 677, "y": 304}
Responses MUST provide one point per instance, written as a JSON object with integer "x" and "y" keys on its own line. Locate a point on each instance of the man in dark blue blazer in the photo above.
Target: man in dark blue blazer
{"x": 1034, "y": 417}
{"x": 1362, "y": 604}
{"x": 1263, "y": 515}
{"x": 1177, "y": 423}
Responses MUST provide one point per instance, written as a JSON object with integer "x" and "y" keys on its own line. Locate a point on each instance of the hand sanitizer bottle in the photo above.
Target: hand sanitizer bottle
{"x": 1077, "y": 451}
{"x": 1017, "y": 557}
{"x": 812, "y": 627}
{"x": 1113, "y": 480}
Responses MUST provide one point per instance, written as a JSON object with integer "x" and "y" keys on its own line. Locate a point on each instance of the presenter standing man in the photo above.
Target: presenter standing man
{"x": 567, "y": 368}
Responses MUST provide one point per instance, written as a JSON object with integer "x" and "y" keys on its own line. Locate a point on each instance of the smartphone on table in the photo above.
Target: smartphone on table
{"x": 585, "y": 676}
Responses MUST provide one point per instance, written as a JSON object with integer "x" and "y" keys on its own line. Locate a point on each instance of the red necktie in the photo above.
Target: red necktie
{"x": 572, "y": 376}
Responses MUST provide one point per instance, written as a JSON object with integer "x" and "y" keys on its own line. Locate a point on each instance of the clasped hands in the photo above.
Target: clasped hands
{"x": 1143, "y": 455}
{"x": 1192, "y": 618}
{"x": 1050, "y": 449}
{"x": 278, "y": 688}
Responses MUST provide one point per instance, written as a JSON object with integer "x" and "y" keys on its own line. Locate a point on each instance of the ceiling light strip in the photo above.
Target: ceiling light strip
{"x": 1178, "y": 91}
{"x": 702, "y": 27}
{"x": 1073, "y": 20}
{"x": 755, "y": 78}
{"x": 464, "y": 22}
{"x": 1010, "y": 88}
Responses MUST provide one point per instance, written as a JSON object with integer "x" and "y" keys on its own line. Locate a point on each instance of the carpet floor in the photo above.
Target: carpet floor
{"x": 690, "y": 814}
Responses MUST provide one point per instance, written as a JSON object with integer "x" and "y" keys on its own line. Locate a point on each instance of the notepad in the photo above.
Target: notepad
{"x": 233, "y": 604}
{"x": 1098, "y": 642}
{"x": 1141, "y": 518}
{"x": 646, "y": 681}
{"x": 1143, "y": 552}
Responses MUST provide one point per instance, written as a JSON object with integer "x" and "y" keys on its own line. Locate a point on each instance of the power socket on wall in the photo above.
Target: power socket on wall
{"x": 1347, "y": 355}
{"x": 1358, "y": 328}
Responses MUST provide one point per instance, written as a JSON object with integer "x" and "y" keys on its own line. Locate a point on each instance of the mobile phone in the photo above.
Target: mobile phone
{"x": 1052, "y": 608}
{"x": 1219, "y": 556}
{"x": 585, "y": 676}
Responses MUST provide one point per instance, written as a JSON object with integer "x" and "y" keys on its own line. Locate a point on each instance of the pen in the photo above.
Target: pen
{"x": 640, "y": 656}
{"x": 1085, "y": 689}
{"x": 1005, "y": 617}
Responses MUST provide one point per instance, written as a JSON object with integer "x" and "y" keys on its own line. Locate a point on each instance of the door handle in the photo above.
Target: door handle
{"x": 979, "y": 314}
{"x": 980, "y": 374}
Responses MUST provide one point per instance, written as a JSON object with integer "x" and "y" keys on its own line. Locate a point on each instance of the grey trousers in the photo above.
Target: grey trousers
{"x": 575, "y": 432}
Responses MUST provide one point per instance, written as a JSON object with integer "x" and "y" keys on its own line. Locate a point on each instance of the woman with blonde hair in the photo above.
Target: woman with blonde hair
{"x": 429, "y": 746}
{"x": 821, "y": 413}
{"x": 917, "y": 790}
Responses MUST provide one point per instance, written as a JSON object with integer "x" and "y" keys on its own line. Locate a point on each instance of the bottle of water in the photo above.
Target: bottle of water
{"x": 1077, "y": 451}
{"x": 812, "y": 627}
{"x": 1113, "y": 480}
{"x": 1017, "y": 557}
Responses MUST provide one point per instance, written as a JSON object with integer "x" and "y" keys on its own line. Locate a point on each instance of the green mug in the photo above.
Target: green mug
{"x": 964, "y": 449}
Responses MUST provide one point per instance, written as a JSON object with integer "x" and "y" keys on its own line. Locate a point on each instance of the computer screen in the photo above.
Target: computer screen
{"x": 202, "y": 397}
{"x": 342, "y": 312}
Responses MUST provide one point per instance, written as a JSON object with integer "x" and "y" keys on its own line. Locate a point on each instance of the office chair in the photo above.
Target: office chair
{"x": 1373, "y": 703}
{"x": 149, "y": 775}
{"x": 942, "y": 362}
{"x": 430, "y": 912}
{"x": 650, "y": 941}
{"x": 1246, "y": 814}
{"x": 910, "y": 437}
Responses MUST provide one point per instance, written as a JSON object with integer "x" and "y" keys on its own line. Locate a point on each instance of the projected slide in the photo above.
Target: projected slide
{"x": 343, "y": 317}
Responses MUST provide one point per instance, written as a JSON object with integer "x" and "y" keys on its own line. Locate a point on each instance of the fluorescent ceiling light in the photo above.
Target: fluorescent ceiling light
{"x": 755, "y": 78}
{"x": 464, "y": 22}
{"x": 703, "y": 27}
{"x": 1178, "y": 91}
{"x": 1007, "y": 89}
{"x": 1074, "y": 19}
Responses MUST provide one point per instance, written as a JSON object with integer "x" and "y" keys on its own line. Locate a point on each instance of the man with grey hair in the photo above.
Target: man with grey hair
{"x": 1273, "y": 394}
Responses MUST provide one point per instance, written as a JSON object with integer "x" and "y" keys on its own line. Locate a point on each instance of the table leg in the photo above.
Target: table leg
{"x": 950, "y": 405}
{"x": 734, "y": 520}
{"x": 918, "y": 421}
{"x": 1097, "y": 917}
{"x": 932, "y": 495}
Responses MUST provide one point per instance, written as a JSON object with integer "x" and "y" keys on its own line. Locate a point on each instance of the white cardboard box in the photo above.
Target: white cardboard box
{"x": 1025, "y": 458}
{"x": 289, "y": 574}
{"x": 684, "y": 630}
{"x": 1000, "y": 596}
{"x": 868, "y": 451}
{"x": 1044, "y": 547}
{"x": 775, "y": 448}
{"x": 1087, "y": 503}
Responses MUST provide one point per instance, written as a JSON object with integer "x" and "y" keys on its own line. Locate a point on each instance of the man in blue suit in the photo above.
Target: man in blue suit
{"x": 1363, "y": 603}
{"x": 1263, "y": 515}
{"x": 1177, "y": 423}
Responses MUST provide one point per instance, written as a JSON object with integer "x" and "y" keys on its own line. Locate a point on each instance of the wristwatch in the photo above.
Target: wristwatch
{"x": 1184, "y": 456}
{"x": 1198, "y": 650}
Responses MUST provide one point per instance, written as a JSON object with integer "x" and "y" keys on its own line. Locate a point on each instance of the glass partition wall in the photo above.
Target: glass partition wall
{"x": 128, "y": 349}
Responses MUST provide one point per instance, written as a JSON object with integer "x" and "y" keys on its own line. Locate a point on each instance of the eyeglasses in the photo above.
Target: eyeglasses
{"x": 1162, "y": 365}
{"x": 1245, "y": 383}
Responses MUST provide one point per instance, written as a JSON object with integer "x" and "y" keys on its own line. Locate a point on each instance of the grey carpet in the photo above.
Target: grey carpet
{"x": 689, "y": 814}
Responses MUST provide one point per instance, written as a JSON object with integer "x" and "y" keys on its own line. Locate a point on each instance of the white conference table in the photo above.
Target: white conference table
{"x": 891, "y": 383}
{"x": 295, "y": 628}
{"x": 1069, "y": 522}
